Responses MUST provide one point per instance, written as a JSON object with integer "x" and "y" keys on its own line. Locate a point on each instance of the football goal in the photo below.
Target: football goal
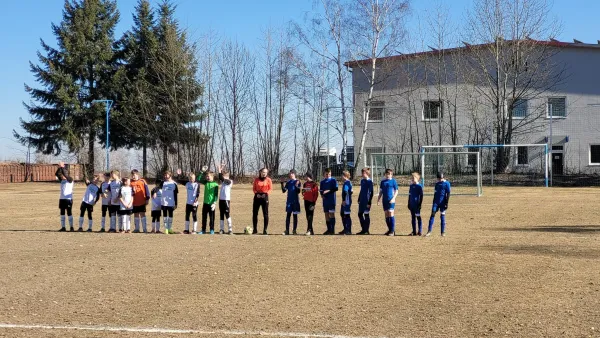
{"x": 505, "y": 164}
{"x": 463, "y": 170}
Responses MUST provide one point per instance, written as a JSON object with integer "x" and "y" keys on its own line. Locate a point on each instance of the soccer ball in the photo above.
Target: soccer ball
{"x": 248, "y": 230}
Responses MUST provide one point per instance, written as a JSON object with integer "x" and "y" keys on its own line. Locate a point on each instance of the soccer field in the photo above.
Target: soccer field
{"x": 516, "y": 262}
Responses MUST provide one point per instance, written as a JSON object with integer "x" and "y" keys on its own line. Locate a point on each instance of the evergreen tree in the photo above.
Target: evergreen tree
{"x": 81, "y": 69}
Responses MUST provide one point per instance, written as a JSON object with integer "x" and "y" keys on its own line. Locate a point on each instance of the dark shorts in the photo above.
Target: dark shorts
{"x": 328, "y": 206}
{"x": 65, "y": 204}
{"x": 104, "y": 209}
{"x": 346, "y": 209}
{"x": 293, "y": 207}
{"x": 363, "y": 209}
{"x": 156, "y": 214}
{"x": 125, "y": 212}
{"x": 435, "y": 207}
{"x": 113, "y": 209}
{"x": 139, "y": 208}
{"x": 224, "y": 206}
{"x": 190, "y": 208}
{"x": 86, "y": 207}
{"x": 387, "y": 206}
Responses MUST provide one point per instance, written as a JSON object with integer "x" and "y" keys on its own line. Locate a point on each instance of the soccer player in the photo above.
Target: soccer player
{"x": 346, "y": 204}
{"x": 65, "y": 203}
{"x": 261, "y": 187}
{"x": 328, "y": 187}
{"x": 141, "y": 197}
{"x": 90, "y": 197}
{"x": 113, "y": 191}
{"x": 415, "y": 199}
{"x": 156, "y": 206}
{"x": 126, "y": 203}
{"x": 211, "y": 194}
{"x": 292, "y": 204}
{"x": 441, "y": 197}
{"x": 191, "y": 206}
{"x": 310, "y": 192}
{"x": 388, "y": 190}
{"x": 225, "y": 200}
{"x": 365, "y": 196}
{"x": 169, "y": 200}
{"x": 104, "y": 188}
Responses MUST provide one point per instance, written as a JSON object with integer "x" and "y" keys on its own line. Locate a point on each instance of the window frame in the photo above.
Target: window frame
{"x": 441, "y": 102}
{"x": 378, "y": 106}
{"x": 595, "y": 164}
{"x": 526, "y": 103}
{"x": 548, "y": 107}
{"x": 518, "y": 157}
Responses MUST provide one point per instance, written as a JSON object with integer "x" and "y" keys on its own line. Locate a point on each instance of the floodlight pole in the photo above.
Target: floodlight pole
{"x": 550, "y": 141}
{"x": 108, "y": 104}
{"x": 327, "y": 117}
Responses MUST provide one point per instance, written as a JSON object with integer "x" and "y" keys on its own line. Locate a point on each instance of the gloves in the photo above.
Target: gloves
{"x": 213, "y": 207}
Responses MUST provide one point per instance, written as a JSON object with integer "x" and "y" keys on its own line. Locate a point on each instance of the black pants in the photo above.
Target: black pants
{"x": 168, "y": 211}
{"x": 207, "y": 211}
{"x": 104, "y": 210}
{"x": 86, "y": 207}
{"x": 264, "y": 204}
{"x": 155, "y": 216}
{"x": 309, "y": 207}
{"x": 224, "y": 209}
{"x": 191, "y": 209}
{"x": 65, "y": 206}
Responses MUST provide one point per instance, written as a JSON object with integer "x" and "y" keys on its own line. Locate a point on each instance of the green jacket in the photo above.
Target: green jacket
{"x": 211, "y": 189}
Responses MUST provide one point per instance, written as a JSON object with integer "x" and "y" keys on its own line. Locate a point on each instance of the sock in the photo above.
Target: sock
{"x": 413, "y": 223}
{"x": 136, "y": 222}
{"x": 166, "y": 221}
{"x": 81, "y": 222}
{"x": 195, "y": 226}
{"x": 229, "y": 224}
{"x": 187, "y": 225}
{"x": 144, "y": 224}
{"x": 295, "y": 222}
{"x": 431, "y": 220}
{"x": 443, "y": 218}
{"x": 387, "y": 222}
{"x": 71, "y": 221}
{"x": 120, "y": 223}
{"x": 367, "y": 222}
{"x": 158, "y": 226}
{"x": 420, "y": 223}
{"x": 90, "y": 224}
{"x": 287, "y": 223}
{"x": 328, "y": 223}
{"x": 128, "y": 223}
{"x": 103, "y": 222}
{"x": 332, "y": 222}
{"x": 222, "y": 225}
{"x": 170, "y": 221}
{"x": 113, "y": 222}
{"x": 348, "y": 224}
{"x": 361, "y": 220}
{"x": 393, "y": 224}
{"x": 62, "y": 221}
{"x": 123, "y": 223}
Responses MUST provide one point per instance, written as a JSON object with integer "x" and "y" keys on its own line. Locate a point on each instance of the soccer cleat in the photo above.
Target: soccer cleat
{"x": 80, "y": 230}
{"x": 428, "y": 234}
{"x": 443, "y": 234}
{"x": 412, "y": 234}
{"x": 166, "y": 231}
{"x": 136, "y": 231}
{"x": 62, "y": 230}
{"x": 254, "y": 232}
{"x": 265, "y": 233}
{"x": 308, "y": 233}
{"x": 200, "y": 233}
{"x": 362, "y": 232}
{"x": 89, "y": 230}
{"x": 419, "y": 234}
{"x": 158, "y": 232}
{"x": 127, "y": 231}
{"x": 347, "y": 233}
{"x": 212, "y": 232}
{"x": 102, "y": 230}
{"x": 221, "y": 232}
{"x": 72, "y": 229}
{"x": 342, "y": 232}
{"x": 294, "y": 233}
{"x": 186, "y": 232}
{"x": 230, "y": 232}
{"x": 112, "y": 231}
{"x": 387, "y": 233}
{"x": 391, "y": 234}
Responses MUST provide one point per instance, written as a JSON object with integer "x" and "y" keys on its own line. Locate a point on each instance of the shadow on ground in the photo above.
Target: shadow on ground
{"x": 547, "y": 250}
{"x": 556, "y": 228}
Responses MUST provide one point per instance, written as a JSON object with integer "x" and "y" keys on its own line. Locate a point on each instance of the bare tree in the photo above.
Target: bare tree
{"x": 377, "y": 31}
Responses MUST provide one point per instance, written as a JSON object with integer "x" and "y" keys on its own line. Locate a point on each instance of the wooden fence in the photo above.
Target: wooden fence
{"x": 21, "y": 172}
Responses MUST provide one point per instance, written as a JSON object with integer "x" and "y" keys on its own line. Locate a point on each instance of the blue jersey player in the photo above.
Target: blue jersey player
{"x": 365, "y": 197}
{"x": 292, "y": 204}
{"x": 415, "y": 199}
{"x": 440, "y": 202}
{"x": 388, "y": 190}
{"x": 328, "y": 188}
{"x": 346, "y": 204}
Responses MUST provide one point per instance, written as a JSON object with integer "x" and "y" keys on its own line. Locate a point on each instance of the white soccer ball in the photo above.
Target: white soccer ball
{"x": 248, "y": 230}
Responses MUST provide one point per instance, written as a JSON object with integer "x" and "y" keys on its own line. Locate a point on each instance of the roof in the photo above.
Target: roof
{"x": 550, "y": 43}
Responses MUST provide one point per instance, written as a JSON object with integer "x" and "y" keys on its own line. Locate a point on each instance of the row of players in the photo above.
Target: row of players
{"x": 123, "y": 197}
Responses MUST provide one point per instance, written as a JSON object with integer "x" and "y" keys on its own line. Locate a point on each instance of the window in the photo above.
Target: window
{"x": 519, "y": 109}
{"x": 522, "y": 156}
{"x": 557, "y": 106}
{"x": 595, "y": 154}
{"x": 431, "y": 110}
{"x": 557, "y": 148}
{"x": 376, "y": 113}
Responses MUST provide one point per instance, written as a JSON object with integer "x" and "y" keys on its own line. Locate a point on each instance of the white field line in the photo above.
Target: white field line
{"x": 174, "y": 331}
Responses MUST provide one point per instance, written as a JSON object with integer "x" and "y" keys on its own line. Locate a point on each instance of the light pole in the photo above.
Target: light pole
{"x": 108, "y": 104}
{"x": 550, "y": 141}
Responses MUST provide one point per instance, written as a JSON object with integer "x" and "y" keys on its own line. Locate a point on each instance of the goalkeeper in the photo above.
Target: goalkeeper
{"x": 211, "y": 195}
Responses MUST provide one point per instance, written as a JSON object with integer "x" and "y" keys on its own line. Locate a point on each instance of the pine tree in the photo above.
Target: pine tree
{"x": 81, "y": 69}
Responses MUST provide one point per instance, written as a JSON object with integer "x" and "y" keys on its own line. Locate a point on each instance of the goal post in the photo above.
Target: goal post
{"x": 507, "y": 164}
{"x": 463, "y": 169}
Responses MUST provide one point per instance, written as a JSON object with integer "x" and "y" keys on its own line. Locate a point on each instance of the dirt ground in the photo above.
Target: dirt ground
{"x": 516, "y": 262}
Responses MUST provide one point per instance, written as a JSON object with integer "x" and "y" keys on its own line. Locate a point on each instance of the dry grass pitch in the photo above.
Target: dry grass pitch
{"x": 516, "y": 262}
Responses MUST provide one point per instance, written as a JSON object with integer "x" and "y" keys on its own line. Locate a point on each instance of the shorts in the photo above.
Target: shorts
{"x": 328, "y": 207}
{"x": 139, "y": 208}
{"x": 126, "y": 212}
{"x": 435, "y": 207}
{"x": 293, "y": 207}
{"x": 363, "y": 209}
{"x": 156, "y": 214}
{"x": 346, "y": 209}
{"x": 224, "y": 206}
{"x": 104, "y": 210}
{"x": 86, "y": 207}
{"x": 113, "y": 209}
{"x": 65, "y": 204}
{"x": 387, "y": 206}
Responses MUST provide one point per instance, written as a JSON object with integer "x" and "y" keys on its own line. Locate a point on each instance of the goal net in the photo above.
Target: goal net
{"x": 506, "y": 165}
{"x": 462, "y": 169}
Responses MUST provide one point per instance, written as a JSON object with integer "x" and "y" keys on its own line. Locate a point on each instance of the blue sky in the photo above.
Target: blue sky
{"x": 24, "y": 22}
